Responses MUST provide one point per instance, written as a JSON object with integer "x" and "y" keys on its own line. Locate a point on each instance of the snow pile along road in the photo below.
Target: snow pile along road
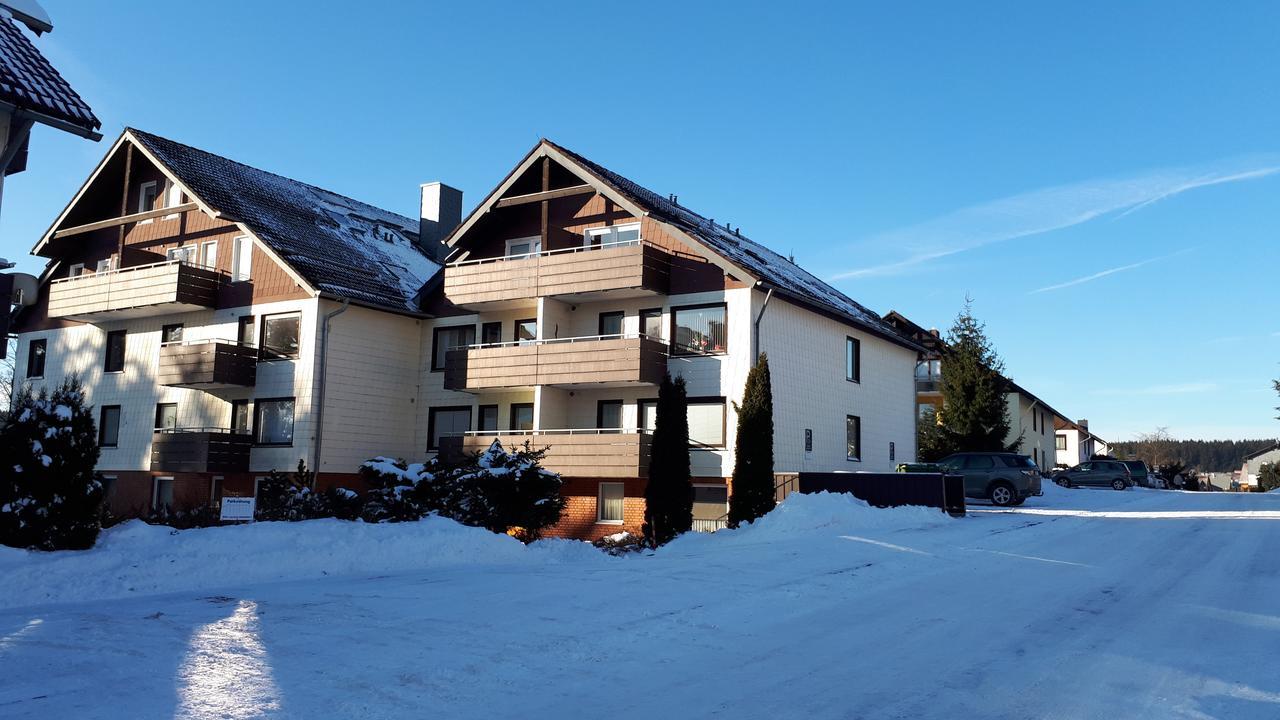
{"x": 135, "y": 559}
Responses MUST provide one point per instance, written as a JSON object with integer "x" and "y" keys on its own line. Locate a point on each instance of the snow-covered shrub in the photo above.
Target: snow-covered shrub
{"x": 197, "y": 517}
{"x": 398, "y": 491}
{"x": 343, "y": 504}
{"x": 289, "y": 497}
{"x": 50, "y": 496}
{"x": 501, "y": 491}
{"x": 622, "y": 543}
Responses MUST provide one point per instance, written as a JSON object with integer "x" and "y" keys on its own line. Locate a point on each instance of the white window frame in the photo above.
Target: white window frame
{"x": 241, "y": 254}
{"x": 105, "y": 265}
{"x": 600, "y": 504}
{"x": 182, "y": 253}
{"x": 155, "y": 488}
{"x": 208, "y": 254}
{"x": 153, "y": 186}
{"x": 608, "y": 235}
{"x": 535, "y": 243}
{"x": 76, "y": 270}
{"x": 172, "y": 197}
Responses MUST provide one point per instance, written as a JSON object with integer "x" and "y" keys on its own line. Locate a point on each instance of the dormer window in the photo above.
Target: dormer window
{"x": 616, "y": 235}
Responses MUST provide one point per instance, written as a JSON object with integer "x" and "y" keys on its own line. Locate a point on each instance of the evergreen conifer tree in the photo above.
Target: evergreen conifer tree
{"x": 975, "y": 417}
{"x": 50, "y": 495}
{"x": 668, "y": 496}
{"x": 753, "y": 486}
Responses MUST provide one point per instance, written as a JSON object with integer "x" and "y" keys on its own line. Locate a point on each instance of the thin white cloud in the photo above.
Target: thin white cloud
{"x": 1153, "y": 390}
{"x": 1049, "y": 209}
{"x": 1105, "y": 273}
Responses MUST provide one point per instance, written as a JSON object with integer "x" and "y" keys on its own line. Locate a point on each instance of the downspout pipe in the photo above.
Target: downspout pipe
{"x": 324, "y": 365}
{"x": 755, "y": 333}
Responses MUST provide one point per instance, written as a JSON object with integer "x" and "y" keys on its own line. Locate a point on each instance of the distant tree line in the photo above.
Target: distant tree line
{"x": 1158, "y": 449}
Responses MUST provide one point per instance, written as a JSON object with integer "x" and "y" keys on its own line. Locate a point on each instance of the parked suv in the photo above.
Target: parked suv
{"x": 1096, "y": 473}
{"x": 1138, "y": 472}
{"x": 1003, "y": 478}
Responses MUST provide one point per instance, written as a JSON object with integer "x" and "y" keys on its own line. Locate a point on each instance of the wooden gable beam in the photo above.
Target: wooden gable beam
{"x": 544, "y": 195}
{"x": 126, "y": 219}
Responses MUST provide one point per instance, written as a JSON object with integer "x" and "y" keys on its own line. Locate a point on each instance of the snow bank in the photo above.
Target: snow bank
{"x": 136, "y": 559}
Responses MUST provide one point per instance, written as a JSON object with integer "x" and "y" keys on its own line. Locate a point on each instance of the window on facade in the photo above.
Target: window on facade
{"x": 209, "y": 254}
{"x": 244, "y": 330}
{"x": 609, "y": 414}
{"x": 1035, "y": 455}
{"x": 166, "y": 416}
{"x": 923, "y": 409}
{"x": 171, "y": 334}
{"x": 651, "y": 323}
{"x": 488, "y": 419}
{"x": 215, "y": 491}
{"x": 519, "y": 247}
{"x": 172, "y": 194}
{"x": 446, "y": 422}
{"x": 240, "y": 416}
{"x": 526, "y": 331}
{"x": 109, "y": 487}
{"x": 104, "y": 265}
{"x": 162, "y": 493}
{"x": 1060, "y": 443}
{"x": 241, "y": 258}
{"x": 450, "y": 338}
{"x": 610, "y": 323}
{"x": 710, "y": 502}
{"x": 35, "y": 358}
{"x": 114, "y": 361}
{"x": 853, "y": 437}
{"x": 522, "y": 416}
{"x": 76, "y": 270}
{"x": 609, "y": 503}
{"x": 706, "y": 422}
{"x": 699, "y": 330}
{"x": 186, "y": 254}
{"x": 148, "y": 196}
{"x": 491, "y": 333}
{"x": 109, "y": 426}
{"x": 647, "y": 414}
{"x": 280, "y": 336}
{"x": 596, "y": 237}
{"x": 273, "y": 422}
{"x": 852, "y": 360}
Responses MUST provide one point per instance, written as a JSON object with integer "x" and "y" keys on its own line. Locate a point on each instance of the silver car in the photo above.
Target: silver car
{"x": 1096, "y": 473}
{"x": 1003, "y": 478}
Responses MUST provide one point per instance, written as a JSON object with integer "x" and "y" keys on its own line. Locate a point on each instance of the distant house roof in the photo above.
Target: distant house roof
{"x": 772, "y": 269}
{"x": 343, "y": 247}
{"x": 1061, "y": 423}
{"x": 30, "y": 83}
{"x": 1263, "y": 451}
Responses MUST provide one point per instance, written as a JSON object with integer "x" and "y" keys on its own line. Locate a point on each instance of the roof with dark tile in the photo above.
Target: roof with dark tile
{"x": 766, "y": 265}
{"x": 343, "y": 247}
{"x": 28, "y": 81}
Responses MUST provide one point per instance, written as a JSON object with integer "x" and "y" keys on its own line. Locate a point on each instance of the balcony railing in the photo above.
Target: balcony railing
{"x": 597, "y": 360}
{"x": 700, "y": 525}
{"x": 200, "y": 450}
{"x": 208, "y": 364}
{"x": 134, "y": 291}
{"x": 625, "y": 269}
{"x": 593, "y": 452}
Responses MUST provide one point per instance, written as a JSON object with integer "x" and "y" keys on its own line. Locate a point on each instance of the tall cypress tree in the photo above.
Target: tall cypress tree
{"x": 753, "y": 490}
{"x": 975, "y": 416}
{"x": 668, "y": 497}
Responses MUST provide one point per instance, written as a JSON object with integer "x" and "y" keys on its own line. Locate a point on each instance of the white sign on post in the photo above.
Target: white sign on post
{"x": 238, "y": 508}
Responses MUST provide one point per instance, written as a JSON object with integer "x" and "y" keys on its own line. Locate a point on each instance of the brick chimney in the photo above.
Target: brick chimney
{"x": 441, "y": 213}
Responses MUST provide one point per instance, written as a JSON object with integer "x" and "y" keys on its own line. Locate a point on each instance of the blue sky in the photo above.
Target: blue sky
{"x": 1101, "y": 180}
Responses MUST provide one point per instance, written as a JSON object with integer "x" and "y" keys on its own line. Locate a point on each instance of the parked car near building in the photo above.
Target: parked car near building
{"x": 1139, "y": 473}
{"x": 1003, "y": 478}
{"x": 1096, "y": 473}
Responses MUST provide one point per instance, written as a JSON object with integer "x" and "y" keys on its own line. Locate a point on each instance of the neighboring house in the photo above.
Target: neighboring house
{"x": 1254, "y": 461}
{"x": 227, "y": 321}
{"x": 190, "y": 294}
{"x": 1075, "y": 444}
{"x": 1030, "y": 417}
{"x": 571, "y": 291}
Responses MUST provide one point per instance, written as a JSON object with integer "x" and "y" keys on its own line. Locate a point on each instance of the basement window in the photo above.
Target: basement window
{"x": 609, "y": 503}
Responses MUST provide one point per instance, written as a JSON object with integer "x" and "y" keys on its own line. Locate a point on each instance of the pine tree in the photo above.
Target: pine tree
{"x": 668, "y": 496}
{"x": 975, "y": 416}
{"x": 1269, "y": 477}
{"x": 50, "y": 495}
{"x": 753, "y": 487}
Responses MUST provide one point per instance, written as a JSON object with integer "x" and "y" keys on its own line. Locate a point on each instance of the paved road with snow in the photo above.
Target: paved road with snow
{"x": 1082, "y": 604}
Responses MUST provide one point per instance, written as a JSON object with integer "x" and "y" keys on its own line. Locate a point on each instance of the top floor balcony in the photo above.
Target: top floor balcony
{"x": 131, "y": 292}
{"x": 632, "y": 268}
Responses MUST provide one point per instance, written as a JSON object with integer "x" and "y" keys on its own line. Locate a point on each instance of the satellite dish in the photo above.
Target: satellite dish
{"x": 26, "y": 288}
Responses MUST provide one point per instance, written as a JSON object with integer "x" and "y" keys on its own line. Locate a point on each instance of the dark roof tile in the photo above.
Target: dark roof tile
{"x": 29, "y": 81}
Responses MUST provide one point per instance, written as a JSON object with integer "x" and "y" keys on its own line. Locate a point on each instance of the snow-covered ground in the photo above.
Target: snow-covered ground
{"x": 1081, "y": 604}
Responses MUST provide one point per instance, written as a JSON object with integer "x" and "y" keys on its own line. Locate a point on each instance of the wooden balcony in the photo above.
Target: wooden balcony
{"x": 200, "y": 450}
{"x": 584, "y": 274}
{"x": 572, "y": 453}
{"x": 602, "y": 361}
{"x": 134, "y": 292}
{"x": 208, "y": 364}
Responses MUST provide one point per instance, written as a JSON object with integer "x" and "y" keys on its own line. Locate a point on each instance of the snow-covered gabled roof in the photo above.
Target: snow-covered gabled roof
{"x": 342, "y": 247}
{"x": 765, "y": 265}
{"x": 30, "y": 83}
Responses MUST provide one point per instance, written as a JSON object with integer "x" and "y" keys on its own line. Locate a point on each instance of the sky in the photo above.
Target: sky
{"x": 1100, "y": 179}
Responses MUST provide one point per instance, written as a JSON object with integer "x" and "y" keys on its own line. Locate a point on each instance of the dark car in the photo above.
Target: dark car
{"x": 1096, "y": 473}
{"x": 1003, "y": 478}
{"x": 1139, "y": 473}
